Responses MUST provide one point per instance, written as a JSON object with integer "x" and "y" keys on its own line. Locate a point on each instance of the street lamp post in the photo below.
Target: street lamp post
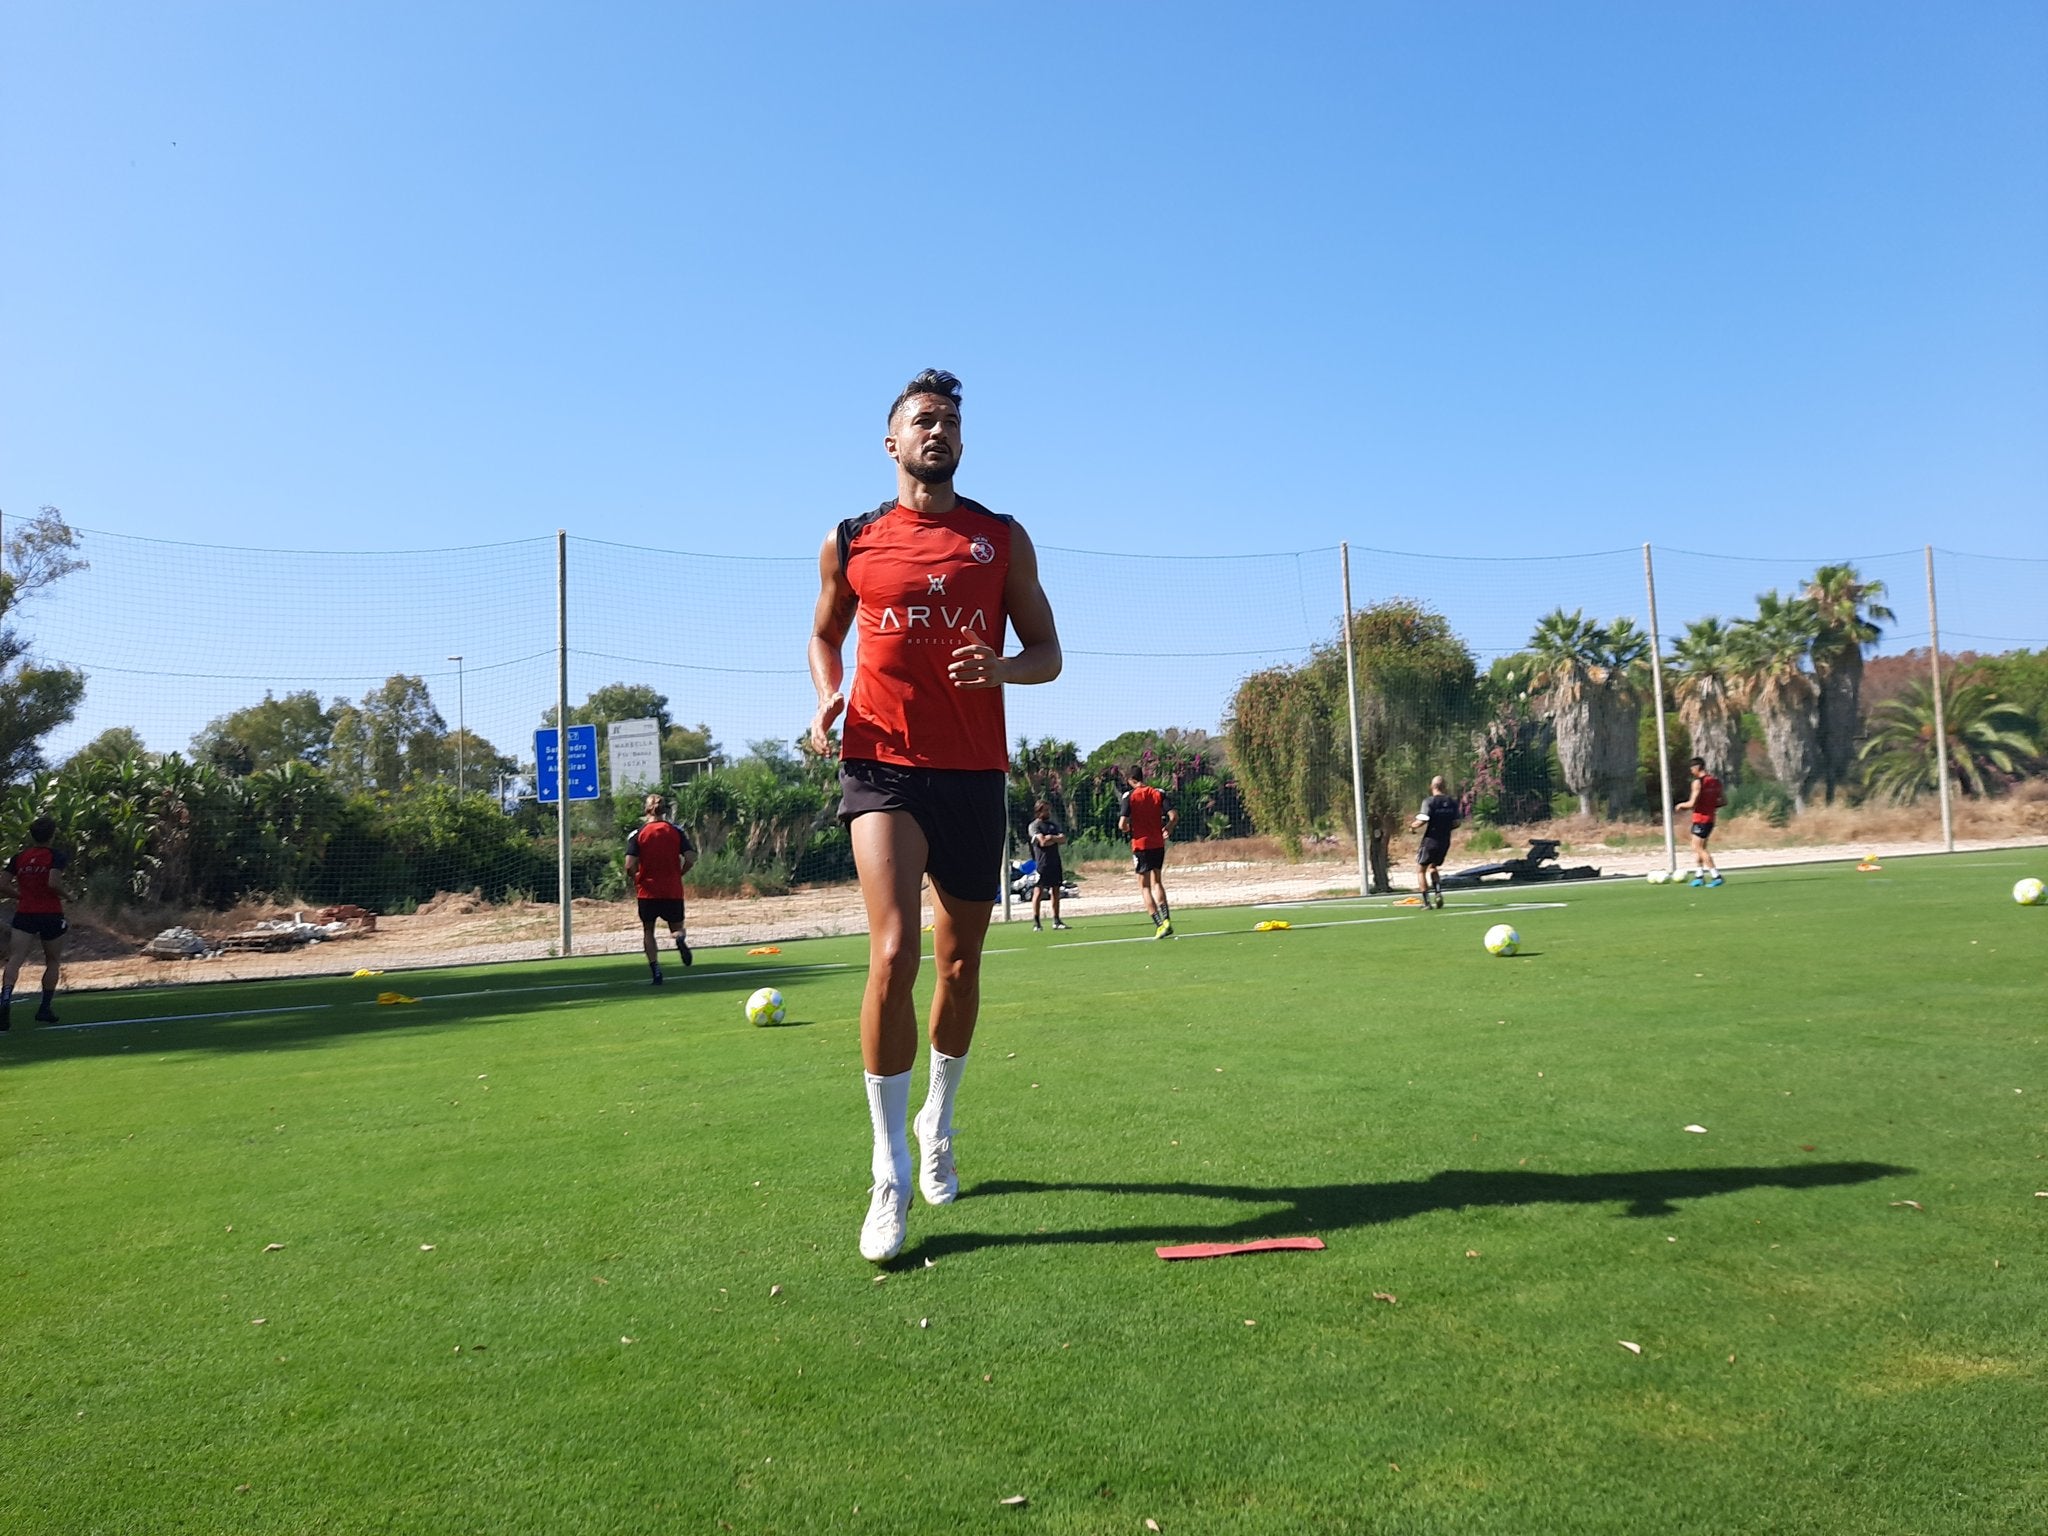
{"x": 461, "y": 722}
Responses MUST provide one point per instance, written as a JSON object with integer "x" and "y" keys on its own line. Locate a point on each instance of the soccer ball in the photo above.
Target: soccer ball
{"x": 765, "y": 1007}
{"x": 1658, "y": 876}
{"x": 1502, "y": 940}
{"x": 2030, "y": 892}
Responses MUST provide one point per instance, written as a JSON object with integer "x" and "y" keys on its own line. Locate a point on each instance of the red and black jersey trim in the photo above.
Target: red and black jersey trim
{"x": 850, "y": 528}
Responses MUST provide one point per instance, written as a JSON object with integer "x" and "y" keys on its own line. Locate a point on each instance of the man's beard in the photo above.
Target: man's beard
{"x": 931, "y": 474}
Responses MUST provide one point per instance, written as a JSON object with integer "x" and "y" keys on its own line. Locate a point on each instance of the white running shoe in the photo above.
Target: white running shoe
{"x": 936, "y": 1175}
{"x": 881, "y": 1235}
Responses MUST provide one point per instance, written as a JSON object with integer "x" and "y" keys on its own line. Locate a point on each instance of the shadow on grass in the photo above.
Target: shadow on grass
{"x": 1318, "y": 1209}
{"x": 307, "y": 1012}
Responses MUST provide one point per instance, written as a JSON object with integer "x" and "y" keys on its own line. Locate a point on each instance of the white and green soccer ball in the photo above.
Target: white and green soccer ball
{"x": 765, "y": 1008}
{"x": 2030, "y": 892}
{"x": 1502, "y": 940}
{"x": 1659, "y": 877}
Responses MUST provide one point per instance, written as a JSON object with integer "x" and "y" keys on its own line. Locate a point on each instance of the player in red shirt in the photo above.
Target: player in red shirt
{"x": 33, "y": 879}
{"x": 930, "y": 579}
{"x": 658, "y": 854}
{"x": 1706, "y": 799}
{"x": 1149, "y": 820}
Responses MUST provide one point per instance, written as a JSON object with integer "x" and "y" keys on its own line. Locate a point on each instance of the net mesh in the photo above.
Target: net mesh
{"x": 358, "y": 728}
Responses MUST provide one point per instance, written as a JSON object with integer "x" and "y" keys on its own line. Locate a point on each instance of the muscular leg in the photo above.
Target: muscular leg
{"x": 647, "y": 943}
{"x": 889, "y": 851}
{"x": 18, "y": 946}
{"x": 959, "y": 929}
{"x": 53, "y": 956}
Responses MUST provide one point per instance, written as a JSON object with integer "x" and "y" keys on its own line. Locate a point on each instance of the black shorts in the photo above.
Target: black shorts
{"x": 1146, "y": 860}
{"x": 1432, "y": 852}
{"x": 1051, "y": 874}
{"x": 662, "y": 909}
{"x": 961, "y": 812}
{"x": 46, "y": 926}
{"x": 1703, "y": 829}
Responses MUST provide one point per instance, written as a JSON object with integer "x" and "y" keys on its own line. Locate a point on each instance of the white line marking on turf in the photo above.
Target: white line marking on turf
{"x": 180, "y": 1018}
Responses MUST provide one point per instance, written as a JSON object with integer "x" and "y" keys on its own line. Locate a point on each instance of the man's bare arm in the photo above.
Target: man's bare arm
{"x": 1040, "y": 660}
{"x": 829, "y": 624}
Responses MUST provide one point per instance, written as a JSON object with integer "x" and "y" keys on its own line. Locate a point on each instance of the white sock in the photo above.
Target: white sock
{"x": 888, "y": 1104}
{"x": 937, "y": 1115}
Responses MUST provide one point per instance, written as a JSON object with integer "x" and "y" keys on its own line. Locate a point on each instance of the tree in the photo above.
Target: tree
{"x": 622, "y": 701}
{"x": 1847, "y": 614}
{"x": 1567, "y": 652}
{"x": 1770, "y": 653}
{"x": 34, "y": 700}
{"x": 1418, "y": 704}
{"x": 115, "y": 744}
{"x": 277, "y": 731}
{"x": 1987, "y": 738}
{"x": 1706, "y": 689}
{"x": 392, "y": 740}
{"x": 1619, "y": 676}
{"x": 1289, "y": 728}
{"x": 689, "y": 744}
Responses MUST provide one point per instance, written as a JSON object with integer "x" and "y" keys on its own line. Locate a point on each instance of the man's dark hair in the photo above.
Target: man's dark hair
{"x": 1042, "y": 808}
{"x": 42, "y": 829}
{"x": 1699, "y": 763}
{"x": 933, "y": 381}
{"x": 1136, "y": 774}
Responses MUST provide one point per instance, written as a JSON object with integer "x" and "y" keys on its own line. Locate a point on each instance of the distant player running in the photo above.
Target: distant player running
{"x": 1050, "y": 874}
{"x": 33, "y": 876}
{"x": 1150, "y": 821}
{"x": 658, "y": 854}
{"x": 932, "y": 580}
{"x": 1706, "y": 799}
{"x": 1438, "y": 819}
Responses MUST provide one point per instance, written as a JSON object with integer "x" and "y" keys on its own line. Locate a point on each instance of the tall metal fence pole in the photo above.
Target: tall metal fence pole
{"x": 1948, "y": 826}
{"x": 1357, "y": 754}
{"x": 1657, "y": 688}
{"x": 562, "y": 733}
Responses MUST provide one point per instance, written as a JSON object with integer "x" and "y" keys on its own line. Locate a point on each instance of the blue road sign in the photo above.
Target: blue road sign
{"x": 582, "y": 764}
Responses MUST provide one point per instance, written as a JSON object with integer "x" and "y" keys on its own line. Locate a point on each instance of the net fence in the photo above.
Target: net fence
{"x": 359, "y": 729}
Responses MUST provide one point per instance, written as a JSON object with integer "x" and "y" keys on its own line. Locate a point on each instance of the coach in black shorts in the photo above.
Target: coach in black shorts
{"x": 1438, "y": 819}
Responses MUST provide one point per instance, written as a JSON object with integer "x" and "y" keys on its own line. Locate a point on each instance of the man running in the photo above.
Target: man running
{"x": 1438, "y": 819}
{"x": 33, "y": 880}
{"x": 1046, "y": 841}
{"x": 658, "y": 854}
{"x": 1150, "y": 821}
{"x": 1706, "y": 799}
{"x": 931, "y": 579}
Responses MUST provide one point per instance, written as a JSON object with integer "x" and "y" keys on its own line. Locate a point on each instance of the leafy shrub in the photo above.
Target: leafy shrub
{"x": 1485, "y": 840}
{"x": 1761, "y": 797}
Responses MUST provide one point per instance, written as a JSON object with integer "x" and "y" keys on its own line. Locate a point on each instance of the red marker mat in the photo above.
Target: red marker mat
{"x": 1226, "y": 1250}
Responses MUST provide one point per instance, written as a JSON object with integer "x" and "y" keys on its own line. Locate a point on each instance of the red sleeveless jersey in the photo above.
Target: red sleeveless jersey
{"x": 927, "y": 586}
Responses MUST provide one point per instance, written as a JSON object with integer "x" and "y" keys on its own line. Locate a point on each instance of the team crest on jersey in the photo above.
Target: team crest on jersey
{"x": 983, "y": 551}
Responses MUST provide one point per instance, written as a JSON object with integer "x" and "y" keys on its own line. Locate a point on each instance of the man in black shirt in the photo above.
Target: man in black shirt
{"x": 1438, "y": 818}
{"x": 1046, "y": 841}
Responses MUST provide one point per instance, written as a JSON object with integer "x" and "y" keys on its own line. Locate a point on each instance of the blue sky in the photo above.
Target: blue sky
{"x": 1468, "y": 279}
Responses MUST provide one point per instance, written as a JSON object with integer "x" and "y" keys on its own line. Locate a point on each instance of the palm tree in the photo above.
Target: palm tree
{"x": 1568, "y": 665}
{"x": 1985, "y": 737}
{"x": 1771, "y": 651}
{"x": 1622, "y": 675}
{"x": 1706, "y": 688}
{"x": 1847, "y": 614}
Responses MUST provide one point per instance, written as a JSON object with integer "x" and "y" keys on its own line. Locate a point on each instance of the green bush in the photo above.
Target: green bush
{"x": 1485, "y": 840}
{"x": 1761, "y": 797}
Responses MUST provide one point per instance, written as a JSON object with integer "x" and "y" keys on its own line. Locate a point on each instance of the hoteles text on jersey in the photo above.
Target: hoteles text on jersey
{"x": 926, "y": 585}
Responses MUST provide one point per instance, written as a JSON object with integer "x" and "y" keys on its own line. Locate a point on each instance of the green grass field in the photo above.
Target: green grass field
{"x": 533, "y": 1229}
